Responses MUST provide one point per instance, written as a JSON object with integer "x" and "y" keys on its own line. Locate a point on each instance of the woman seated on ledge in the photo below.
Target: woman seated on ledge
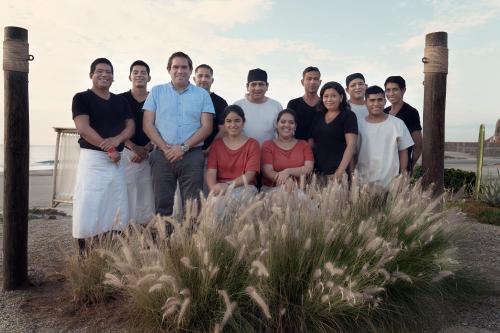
{"x": 233, "y": 156}
{"x": 285, "y": 159}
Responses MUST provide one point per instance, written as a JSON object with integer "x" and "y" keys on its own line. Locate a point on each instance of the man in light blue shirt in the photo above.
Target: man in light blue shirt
{"x": 177, "y": 118}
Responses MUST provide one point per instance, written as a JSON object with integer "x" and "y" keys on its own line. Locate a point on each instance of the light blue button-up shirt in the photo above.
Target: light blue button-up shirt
{"x": 178, "y": 114}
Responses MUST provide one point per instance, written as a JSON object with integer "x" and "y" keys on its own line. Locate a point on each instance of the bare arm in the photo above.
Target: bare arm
{"x": 203, "y": 132}
{"x": 403, "y": 160}
{"x": 250, "y": 175}
{"x": 417, "y": 148}
{"x": 115, "y": 141}
{"x": 310, "y": 141}
{"x": 347, "y": 157}
{"x": 221, "y": 132}
{"x": 82, "y": 123}
{"x": 211, "y": 178}
{"x": 148, "y": 126}
{"x": 271, "y": 174}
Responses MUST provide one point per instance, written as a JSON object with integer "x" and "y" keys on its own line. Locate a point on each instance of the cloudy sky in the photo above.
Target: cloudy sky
{"x": 378, "y": 38}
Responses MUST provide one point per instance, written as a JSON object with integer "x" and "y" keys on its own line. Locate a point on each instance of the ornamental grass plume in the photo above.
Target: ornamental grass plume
{"x": 322, "y": 259}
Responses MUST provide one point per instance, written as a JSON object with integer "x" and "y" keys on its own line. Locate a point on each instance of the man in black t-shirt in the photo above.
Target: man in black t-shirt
{"x": 104, "y": 122}
{"x": 204, "y": 78}
{"x": 305, "y": 106}
{"x": 395, "y": 88}
{"x": 137, "y": 149}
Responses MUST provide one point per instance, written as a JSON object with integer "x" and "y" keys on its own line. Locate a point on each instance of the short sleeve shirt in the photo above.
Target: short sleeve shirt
{"x": 219, "y": 106}
{"x": 329, "y": 140}
{"x": 140, "y": 138}
{"x": 305, "y": 115}
{"x": 282, "y": 159}
{"x": 260, "y": 118}
{"x": 106, "y": 116}
{"x": 409, "y": 115}
{"x": 178, "y": 113}
{"x": 379, "y": 145}
{"x": 231, "y": 164}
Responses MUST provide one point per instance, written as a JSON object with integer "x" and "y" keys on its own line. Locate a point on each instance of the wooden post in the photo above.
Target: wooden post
{"x": 436, "y": 69}
{"x": 16, "y": 164}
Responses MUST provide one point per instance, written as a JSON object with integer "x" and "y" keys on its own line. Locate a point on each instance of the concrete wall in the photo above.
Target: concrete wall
{"x": 490, "y": 149}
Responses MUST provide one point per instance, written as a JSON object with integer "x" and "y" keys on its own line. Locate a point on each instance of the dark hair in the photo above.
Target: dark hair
{"x": 310, "y": 69}
{"x": 344, "y": 105}
{"x": 205, "y": 66}
{"x": 287, "y": 111}
{"x": 179, "y": 55}
{"x": 397, "y": 80}
{"x": 374, "y": 90}
{"x": 353, "y": 76}
{"x": 234, "y": 108}
{"x": 139, "y": 63}
{"x": 98, "y": 61}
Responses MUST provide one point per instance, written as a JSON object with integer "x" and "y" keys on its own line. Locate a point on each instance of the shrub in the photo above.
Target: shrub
{"x": 327, "y": 260}
{"x": 454, "y": 179}
{"x": 490, "y": 192}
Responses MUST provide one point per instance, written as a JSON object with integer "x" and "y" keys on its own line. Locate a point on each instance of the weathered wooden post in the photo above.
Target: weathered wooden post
{"x": 16, "y": 164}
{"x": 436, "y": 69}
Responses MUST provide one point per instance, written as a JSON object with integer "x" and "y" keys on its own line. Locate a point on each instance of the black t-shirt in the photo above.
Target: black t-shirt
{"x": 409, "y": 115}
{"x": 219, "y": 106}
{"x": 106, "y": 117}
{"x": 140, "y": 138}
{"x": 305, "y": 115}
{"x": 329, "y": 140}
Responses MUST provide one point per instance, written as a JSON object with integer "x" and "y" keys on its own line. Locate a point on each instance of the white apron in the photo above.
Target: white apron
{"x": 100, "y": 196}
{"x": 141, "y": 204}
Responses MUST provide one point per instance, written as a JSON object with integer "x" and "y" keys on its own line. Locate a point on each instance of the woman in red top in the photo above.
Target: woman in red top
{"x": 233, "y": 156}
{"x": 285, "y": 159}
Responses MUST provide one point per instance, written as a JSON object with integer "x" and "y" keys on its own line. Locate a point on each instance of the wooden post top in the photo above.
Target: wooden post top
{"x": 16, "y": 50}
{"x": 436, "y": 53}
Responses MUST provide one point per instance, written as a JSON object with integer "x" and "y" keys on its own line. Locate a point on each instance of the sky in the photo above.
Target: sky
{"x": 377, "y": 38}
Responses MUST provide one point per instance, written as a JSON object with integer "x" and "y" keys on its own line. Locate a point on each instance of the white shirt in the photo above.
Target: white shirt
{"x": 260, "y": 118}
{"x": 378, "y": 149}
{"x": 360, "y": 110}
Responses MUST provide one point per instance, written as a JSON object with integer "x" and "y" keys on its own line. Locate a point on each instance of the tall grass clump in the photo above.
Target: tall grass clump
{"x": 86, "y": 273}
{"x": 328, "y": 259}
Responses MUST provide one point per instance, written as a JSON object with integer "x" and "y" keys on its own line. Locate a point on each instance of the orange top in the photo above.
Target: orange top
{"x": 282, "y": 159}
{"x": 230, "y": 164}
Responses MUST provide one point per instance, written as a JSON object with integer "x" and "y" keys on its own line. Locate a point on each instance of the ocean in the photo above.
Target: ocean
{"x": 41, "y": 157}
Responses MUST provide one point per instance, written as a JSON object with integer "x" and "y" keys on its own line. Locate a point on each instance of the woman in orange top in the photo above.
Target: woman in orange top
{"x": 233, "y": 156}
{"x": 285, "y": 159}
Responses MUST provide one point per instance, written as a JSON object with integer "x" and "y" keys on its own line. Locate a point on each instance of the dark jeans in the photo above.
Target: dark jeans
{"x": 165, "y": 174}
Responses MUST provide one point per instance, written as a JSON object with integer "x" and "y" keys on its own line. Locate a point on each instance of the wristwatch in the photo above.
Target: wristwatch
{"x": 184, "y": 147}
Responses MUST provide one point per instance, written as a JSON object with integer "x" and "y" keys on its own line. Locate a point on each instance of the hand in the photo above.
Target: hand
{"x": 338, "y": 176}
{"x": 140, "y": 152}
{"x": 289, "y": 185}
{"x": 282, "y": 177}
{"x": 219, "y": 188}
{"x": 134, "y": 158}
{"x": 114, "y": 155}
{"x": 174, "y": 154}
{"x": 109, "y": 143}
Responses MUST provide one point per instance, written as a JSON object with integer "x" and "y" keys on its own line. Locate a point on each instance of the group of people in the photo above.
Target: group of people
{"x": 138, "y": 146}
